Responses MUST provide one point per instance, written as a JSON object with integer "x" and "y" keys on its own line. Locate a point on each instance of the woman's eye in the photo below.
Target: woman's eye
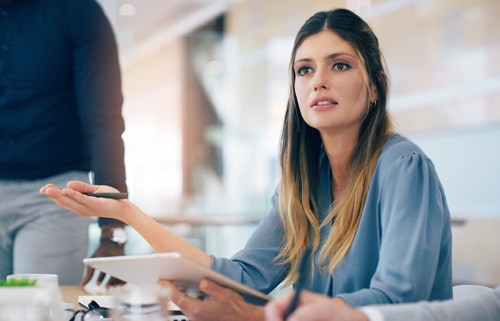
{"x": 341, "y": 66}
{"x": 304, "y": 70}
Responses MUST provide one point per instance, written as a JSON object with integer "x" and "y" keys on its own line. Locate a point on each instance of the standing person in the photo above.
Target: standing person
{"x": 366, "y": 200}
{"x": 60, "y": 118}
{"x": 484, "y": 306}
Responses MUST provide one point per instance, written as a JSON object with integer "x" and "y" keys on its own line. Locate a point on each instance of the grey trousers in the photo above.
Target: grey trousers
{"x": 36, "y": 235}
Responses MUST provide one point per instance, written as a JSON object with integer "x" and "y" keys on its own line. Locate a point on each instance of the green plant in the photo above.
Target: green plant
{"x": 17, "y": 282}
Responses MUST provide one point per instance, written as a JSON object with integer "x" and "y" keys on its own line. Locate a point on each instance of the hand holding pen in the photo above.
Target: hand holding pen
{"x": 312, "y": 306}
{"x": 113, "y": 195}
{"x": 90, "y": 200}
{"x": 300, "y": 281}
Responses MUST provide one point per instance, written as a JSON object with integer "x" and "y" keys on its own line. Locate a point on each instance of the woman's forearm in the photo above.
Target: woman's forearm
{"x": 160, "y": 238}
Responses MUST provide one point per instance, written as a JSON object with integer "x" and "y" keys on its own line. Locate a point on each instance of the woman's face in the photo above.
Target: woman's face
{"x": 330, "y": 84}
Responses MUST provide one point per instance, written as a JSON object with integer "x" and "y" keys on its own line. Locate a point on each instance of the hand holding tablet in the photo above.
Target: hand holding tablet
{"x": 146, "y": 270}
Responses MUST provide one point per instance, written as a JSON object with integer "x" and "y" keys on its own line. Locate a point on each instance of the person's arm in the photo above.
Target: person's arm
{"x": 315, "y": 307}
{"x": 163, "y": 240}
{"x": 97, "y": 83}
{"x": 160, "y": 238}
{"x": 484, "y": 307}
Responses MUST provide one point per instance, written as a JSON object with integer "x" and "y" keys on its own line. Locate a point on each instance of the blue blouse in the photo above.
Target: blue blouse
{"x": 402, "y": 248}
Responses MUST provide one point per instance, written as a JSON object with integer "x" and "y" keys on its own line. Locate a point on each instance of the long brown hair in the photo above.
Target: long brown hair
{"x": 300, "y": 150}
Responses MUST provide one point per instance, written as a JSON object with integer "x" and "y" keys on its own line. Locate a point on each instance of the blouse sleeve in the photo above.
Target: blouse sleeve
{"x": 415, "y": 235}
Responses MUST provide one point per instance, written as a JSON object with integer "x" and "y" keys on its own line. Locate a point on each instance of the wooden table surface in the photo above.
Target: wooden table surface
{"x": 70, "y": 293}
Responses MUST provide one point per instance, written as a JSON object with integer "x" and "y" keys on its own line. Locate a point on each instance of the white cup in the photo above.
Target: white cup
{"x": 42, "y": 279}
{"x": 30, "y": 303}
{"x": 131, "y": 303}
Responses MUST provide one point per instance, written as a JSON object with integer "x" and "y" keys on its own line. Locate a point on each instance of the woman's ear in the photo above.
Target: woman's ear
{"x": 373, "y": 94}
{"x": 383, "y": 79}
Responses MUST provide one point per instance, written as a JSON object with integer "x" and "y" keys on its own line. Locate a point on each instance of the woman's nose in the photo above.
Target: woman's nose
{"x": 318, "y": 86}
{"x": 320, "y": 81}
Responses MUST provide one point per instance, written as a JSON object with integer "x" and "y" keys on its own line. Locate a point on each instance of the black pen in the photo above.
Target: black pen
{"x": 116, "y": 196}
{"x": 300, "y": 281}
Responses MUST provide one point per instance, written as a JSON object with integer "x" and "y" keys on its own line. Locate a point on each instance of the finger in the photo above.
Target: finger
{"x": 179, "y": 298}
{"x": 215, "y": 291}
{"x": 310, "y": 297}
{"x": 81, "y": 186}
{"x": 317, "y": 305}
{"x": 275, "y": 309}
{"x": 310, "y": 312}
{"x": 77, "y": 202}
{"x": 209, "y": 287}
{"x": 48, "y": 186}
{"x": 84, "y": 187}
{"x": 56, "y": 197}
{"x": 273, "y": 312}
{"x": 54, "y": 192}
{"x": 50, "y": 190}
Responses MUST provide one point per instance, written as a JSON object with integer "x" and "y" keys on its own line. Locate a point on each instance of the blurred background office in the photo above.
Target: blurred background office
{"x": 205, "y": 86}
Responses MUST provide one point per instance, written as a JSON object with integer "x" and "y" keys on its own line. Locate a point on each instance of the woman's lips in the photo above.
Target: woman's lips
{"x": 323, "y": 103}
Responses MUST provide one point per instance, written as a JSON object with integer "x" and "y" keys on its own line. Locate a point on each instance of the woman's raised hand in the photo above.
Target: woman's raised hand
{"x": 72, "y": 198}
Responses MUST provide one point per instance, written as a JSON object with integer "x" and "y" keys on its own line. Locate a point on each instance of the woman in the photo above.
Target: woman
{"x": 367, "y": 202}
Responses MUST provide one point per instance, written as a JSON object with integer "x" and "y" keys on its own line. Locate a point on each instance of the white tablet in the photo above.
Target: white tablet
{"x": 146, "y": 270}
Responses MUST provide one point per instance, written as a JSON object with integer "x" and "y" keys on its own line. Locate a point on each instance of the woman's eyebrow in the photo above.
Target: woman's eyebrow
{"x": 302, "y": 60}
{"x": 330, "y": 57}
{"x": 338, "y": 54}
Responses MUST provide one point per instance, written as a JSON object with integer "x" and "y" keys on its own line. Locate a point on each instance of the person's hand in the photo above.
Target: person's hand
{"x": 73, "y": 199}
{"x": 222, "y": 304}
{"x": 104, "y": 249}
{"x": 312, "y": 307}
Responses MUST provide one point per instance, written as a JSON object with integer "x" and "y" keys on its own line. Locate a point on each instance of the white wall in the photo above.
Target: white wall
{"x": 467, "y": 161}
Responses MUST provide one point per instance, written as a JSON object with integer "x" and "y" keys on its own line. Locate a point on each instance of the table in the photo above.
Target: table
{"x": 70, "y": 293}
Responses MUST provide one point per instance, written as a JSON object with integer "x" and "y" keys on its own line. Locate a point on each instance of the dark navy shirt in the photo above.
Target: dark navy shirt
{"x": 60, "y": 92}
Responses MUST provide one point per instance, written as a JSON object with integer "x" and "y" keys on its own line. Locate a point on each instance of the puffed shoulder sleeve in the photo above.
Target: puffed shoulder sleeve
{"x": 415, "y": 252}
{"x": 407, "y": 209}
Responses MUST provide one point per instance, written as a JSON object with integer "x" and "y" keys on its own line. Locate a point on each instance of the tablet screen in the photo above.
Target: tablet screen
{"x": 146, "y": 270}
